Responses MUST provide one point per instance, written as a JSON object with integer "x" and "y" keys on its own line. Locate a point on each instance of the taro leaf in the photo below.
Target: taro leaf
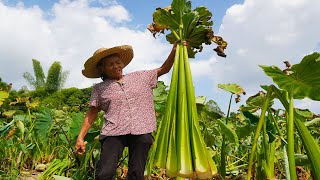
{"x": 233, "y": 88}
{"x": 91, "y": 135}
{"x": 76, "y": 124}
{"x": 301, "y": 160}
{"x": 313, "y": 123}
{"x": 179, "y": 7}
{"x": 23, "y": 148}
{"x": 212, "y": 110}
{"x": 303, "y": 80}
{"x": 189, "y": 21}
{"x": 19, "y": 124}
{"x": 305, "y": 113}
{"x": 21, "y": 117}
{"x": 166, "y": 19}
{"x": 201, "y": 100}
{"x": 245, "y": 131}
{"x": 195, "y": 25}
{"x": 32, "y": 104}
{"x": 253, "y": 119}
{"x": 255, "y": 102}
{"x": 9, "y": 114}
{"x": 3, "y": 95}
{"x": 44, "y": 121}
{"x": 229, "y": 133}
{"x": 160, "y": 93}
{"x": 205, "y": 15}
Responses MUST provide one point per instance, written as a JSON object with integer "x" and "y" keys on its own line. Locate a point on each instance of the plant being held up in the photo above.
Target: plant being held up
{"x": 179, "y": 146}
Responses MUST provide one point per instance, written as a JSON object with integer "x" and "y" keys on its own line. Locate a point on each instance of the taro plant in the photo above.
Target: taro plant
{"x": 297, "y": 82}
{"x": 179, "y": 146}
{"x": 227, "y": 133}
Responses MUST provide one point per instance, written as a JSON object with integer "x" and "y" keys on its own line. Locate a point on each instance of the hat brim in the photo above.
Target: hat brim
{"x": 90, "y": 70}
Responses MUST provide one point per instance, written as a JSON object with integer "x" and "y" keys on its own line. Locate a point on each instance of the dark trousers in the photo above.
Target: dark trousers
{"x": 111, "y": 152}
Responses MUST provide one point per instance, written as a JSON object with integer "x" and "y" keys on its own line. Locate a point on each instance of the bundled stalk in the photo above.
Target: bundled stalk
{"x": 179, "y": 145}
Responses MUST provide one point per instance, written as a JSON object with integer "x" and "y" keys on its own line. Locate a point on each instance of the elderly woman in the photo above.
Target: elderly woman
{"x": 127, "y": 101}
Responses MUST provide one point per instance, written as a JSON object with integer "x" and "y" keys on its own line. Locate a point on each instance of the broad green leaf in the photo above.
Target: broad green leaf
{"x": 160, "y": 93}
{"x": 76, "y": 124}
{"x": 231, "y": 135}
{"x": 20, "y": 126}
{"x": 255, "y": 102}
{"x": 21, "y": 117}
{"x": 166, "y": 19}
{"x": 23, "y": 148}
{"x": 44, "y": 121}
{"x": 313, "y": 123}
{"x": 305, "y": 113}
{"x": 33, "y": 104}
{"x": 301, "y": 160}
{"x": 200, "y": 100}
{"x": 303, "y": 80}
{"x": 253, "y": 119}
{"x": 211, "y": 109}
{"x": 180, "y": 7}
{"x": 205, "y": 15}
{"x": 245, "y": 131}
{"x": 233, "y": 88}
{"x": 9, "y": 114}
{"x": 3, "y": 95}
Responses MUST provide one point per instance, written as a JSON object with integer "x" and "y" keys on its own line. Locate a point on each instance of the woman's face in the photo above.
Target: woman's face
{"x": 112, "y": 66}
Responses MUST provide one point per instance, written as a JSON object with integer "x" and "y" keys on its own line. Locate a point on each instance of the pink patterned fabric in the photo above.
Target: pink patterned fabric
{"x": 128, "y": 103}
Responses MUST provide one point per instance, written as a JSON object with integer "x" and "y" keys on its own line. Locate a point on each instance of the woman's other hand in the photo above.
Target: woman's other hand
{"x": 80, "y": 146}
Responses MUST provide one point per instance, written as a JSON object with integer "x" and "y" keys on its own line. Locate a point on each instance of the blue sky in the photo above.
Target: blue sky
{"x": 257, "y": 32}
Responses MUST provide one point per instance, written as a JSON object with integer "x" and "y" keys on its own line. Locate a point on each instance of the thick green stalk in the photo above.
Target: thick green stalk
{"x": 258, "y": 130}
{"x": 171, "y": 165}
{"x": 160, "y": 147}
{"x": 290, "y": 135}
{"x": 311, "y": 146}
{"x": 202, "y": 162}
{"x": 223, "y": 147}
{"x": 185, "y": 168}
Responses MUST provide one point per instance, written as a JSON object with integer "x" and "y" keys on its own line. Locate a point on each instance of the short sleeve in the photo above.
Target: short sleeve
{"x": 94, "y": 99}
{"x": 151, "y": 77}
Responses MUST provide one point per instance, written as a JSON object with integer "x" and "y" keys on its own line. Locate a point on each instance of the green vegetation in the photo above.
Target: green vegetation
{"x": 53, "y": 82}
{"x": 38, "y": 133}
{"x": 38, "y": 128}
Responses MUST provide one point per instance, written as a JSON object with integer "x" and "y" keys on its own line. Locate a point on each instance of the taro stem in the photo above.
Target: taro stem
{"x": 258, "y": 130}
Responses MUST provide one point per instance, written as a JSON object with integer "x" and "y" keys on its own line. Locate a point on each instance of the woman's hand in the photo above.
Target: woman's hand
{"x": 80, "y": 146}
{"x": 185, "y": 43}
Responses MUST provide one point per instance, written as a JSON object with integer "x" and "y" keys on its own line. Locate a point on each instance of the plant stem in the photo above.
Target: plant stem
{"x": 290, "y": 134}
{"x": 223, "y": 148}
{"x": 259, "y": 126}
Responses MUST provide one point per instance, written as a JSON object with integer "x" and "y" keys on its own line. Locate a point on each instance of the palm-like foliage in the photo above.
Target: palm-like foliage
{"x": 53, "y": 82}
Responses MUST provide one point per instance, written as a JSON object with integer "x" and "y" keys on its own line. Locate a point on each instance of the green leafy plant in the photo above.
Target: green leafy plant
{"x": 299, "y": 81}
{"x": 179, "y": 146}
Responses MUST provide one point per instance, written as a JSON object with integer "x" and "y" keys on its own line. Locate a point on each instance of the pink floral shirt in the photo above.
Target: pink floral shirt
{"x": 128, "y": 103}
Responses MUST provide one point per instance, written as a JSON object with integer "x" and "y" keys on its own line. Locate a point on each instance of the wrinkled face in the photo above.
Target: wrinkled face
{"x": 112, "y": 66}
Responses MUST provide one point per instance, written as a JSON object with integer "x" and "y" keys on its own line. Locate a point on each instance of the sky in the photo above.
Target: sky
{"x": 258, "y": 32}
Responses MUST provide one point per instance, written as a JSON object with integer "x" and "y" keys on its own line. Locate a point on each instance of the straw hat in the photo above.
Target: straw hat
{"x": 90, "y": 70}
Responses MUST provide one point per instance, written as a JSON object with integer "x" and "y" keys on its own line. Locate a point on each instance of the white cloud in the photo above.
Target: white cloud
{"x": 73, "y": 31}
{"x": 257, "y": 32}
{"x": 266, "y": 33}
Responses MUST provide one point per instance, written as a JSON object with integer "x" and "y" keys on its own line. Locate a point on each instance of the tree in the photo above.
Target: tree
{"x": 53, "y": 82}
